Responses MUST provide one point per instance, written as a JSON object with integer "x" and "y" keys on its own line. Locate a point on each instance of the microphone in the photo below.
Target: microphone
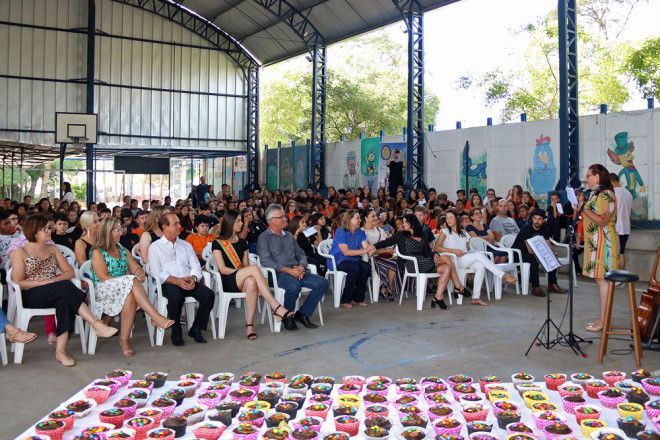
{"x": 582, "y": 188}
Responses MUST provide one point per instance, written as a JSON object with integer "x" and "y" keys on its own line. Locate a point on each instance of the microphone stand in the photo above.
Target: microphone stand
{"x": 571, "y": 339}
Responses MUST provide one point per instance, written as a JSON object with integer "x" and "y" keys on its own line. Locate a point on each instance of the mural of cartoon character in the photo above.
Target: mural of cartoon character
{"x": 543, "y": 175}
{"x": 475, "y": 170}
{"x": 372, "y": 170}
{"x": 351, "y": 175}
{"x": 300, "y": 175}
{"x": 623, "y": 155}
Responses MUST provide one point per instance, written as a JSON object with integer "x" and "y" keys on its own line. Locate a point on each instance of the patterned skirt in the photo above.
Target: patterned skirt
{"x": 111, "y": 295}
{"x": 383, "y": 266}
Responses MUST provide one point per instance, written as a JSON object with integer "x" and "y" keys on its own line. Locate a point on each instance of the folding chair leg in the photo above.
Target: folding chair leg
{"x": 91, "y": 341}
{"x": 525, "y": 278}
{"x": 223, "y": 310}
{"x": 421, "y": 291}
{"x": 375, "y": 287}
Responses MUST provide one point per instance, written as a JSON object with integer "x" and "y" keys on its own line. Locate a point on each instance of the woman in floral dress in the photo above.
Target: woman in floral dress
{"x": 601, "y": 242}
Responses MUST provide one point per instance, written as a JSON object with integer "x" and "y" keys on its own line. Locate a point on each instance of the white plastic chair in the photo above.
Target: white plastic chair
{"x": 189, "y": 305}
{"x": 565, "y": 260}
{"x": 462, "y": 274}
{"x": 3, "y": 348}
{"x": 482, "y": 245}
{"x": 506, "y": 242}
{"x": 338, "y": 276}
{"x": 135, "y": 252}
{"x": 223, "y": 298}
{"x": 85, "y": 274}
{"x": 421, "y": 279}
{"x": 69, "y": 255}
{"x": 374, "y": 285}
{"x": 23, "y": 316}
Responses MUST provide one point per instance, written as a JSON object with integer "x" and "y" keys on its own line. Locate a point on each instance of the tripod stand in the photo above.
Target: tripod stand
{"x": 544, "y": 331}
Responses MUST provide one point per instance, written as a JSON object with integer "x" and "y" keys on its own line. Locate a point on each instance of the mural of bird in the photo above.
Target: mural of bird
{"x": 543, "y": 175}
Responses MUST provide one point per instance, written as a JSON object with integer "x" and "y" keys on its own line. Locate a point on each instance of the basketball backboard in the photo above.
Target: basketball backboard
{"x": 73, "y": 128}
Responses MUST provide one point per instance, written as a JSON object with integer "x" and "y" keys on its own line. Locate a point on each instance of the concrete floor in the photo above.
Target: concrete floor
{"x": 385, "y": 339}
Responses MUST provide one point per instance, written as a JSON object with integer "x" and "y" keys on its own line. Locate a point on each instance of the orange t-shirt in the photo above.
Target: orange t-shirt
{"x": 199, "y": 243}
{"x": 138, "y": 231}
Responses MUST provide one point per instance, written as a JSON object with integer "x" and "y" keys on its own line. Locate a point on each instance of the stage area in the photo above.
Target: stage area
{"x": 384, "y": 338}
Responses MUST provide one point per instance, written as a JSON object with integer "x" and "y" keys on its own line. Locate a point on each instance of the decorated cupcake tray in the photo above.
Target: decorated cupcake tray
{"x": 375, "y": 408}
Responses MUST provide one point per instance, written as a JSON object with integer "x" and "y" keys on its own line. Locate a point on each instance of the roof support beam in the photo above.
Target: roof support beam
{"x": 253, "y": 128}
{"x": 413, "y": 15}
{"x": 319, "y": 88}
{"x": 569, "y": 135}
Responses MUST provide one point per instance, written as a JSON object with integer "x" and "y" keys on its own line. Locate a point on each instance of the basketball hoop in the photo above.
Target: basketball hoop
{"x": 79, "y": 140}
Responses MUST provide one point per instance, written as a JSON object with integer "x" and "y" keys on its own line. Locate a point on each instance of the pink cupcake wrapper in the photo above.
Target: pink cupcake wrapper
{"x": 254, "y": 388}
{"x": 256, "y": 422}
{"x": 241, "y": 400}
{"x": 320, "y": 414}
{"x": 349, "y": 428}
{"x": 68, "y": 422}
{"x": 451, "y": 431}
{"x": 116, "y": 421}
{"x": 252, "y": 436}
{"x": 552, "y": 383}
{"x": 54, "y": 434}
{"x": 542, "y": 423}
{"x": 129, "y": 411}
{"x": 124, "y": 379}
{"x": 569, "y": 407}
{"x": 482, "y": 385}
{"x": 316, "y": 428}
{"x": 581, "y": 416}
{"x": 369, "y": 414}
{"x": 340, "y": 391}
{"x": 167, "y": 410}
{"x": 433, "y": 417}
{"x": 611, "y": 402}
{"x": 653, "y": 390}
{"x": 611, "y": 380}
{"x": 98, "y": 393}
{"x": 497, "y": 410}
{"x": 210, "y": 403}
{"x": 651, "y": 412}
{"x": 479, "y": 415}
{"x": 410, "y": 393}
{"x": 169, "y": 437}
{"x": 379, "y": 392}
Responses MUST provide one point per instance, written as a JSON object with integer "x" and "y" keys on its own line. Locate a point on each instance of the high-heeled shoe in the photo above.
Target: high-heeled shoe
{"x": 126, "y": 347}
{"x": 251, "y": 336}
{"x": 162, "y": 322}
{"x": 286, "y": 315}
{"x": 464, "y": 292}
{"x": 438, "y": 302}
{"x": 102, "y": 330}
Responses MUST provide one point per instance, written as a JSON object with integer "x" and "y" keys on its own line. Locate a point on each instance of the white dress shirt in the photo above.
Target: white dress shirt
{"x": 176, "y": 259}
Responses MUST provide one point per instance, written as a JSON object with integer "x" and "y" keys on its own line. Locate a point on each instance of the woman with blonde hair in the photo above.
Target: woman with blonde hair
{"x": 89, "y": 222}
{"x": 118, "y": 279}
{"x": 151, "y": 233}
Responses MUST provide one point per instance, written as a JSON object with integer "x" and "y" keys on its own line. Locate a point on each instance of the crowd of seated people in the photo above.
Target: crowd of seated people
{"x": 284, "y": 228}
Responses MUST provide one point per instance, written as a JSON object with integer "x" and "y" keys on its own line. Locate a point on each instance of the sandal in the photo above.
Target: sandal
{"x": 126, "y": 348}
{"x": 252, "y": 336}
{"x": 361, "y": 304}
{"x": 274, "y": 312}
{"x": 162, "y": 322}
{"x": 19, "y": 336}
{"x": 346, "y": 305}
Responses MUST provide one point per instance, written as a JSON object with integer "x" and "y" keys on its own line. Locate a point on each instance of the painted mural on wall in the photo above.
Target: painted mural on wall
{"x": 370, "y": 152}
{"x": 386, "y": 150}
{"x": 351, "y": 177}
{"x": 286, "y": 168}
{"x": 300, "y": 166}
{"x": 271, "y": 169}
{"x": 476, "y": 171}
{"x": 543, "y": 174}
{"x": 621, "y": 153}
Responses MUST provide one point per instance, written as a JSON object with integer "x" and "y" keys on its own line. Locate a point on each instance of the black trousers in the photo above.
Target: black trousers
{"x": 534, "y": 270}
{"x": 176, "y": 297}
{"x": 356, "y": 280}
{"x": 64, "y": 296}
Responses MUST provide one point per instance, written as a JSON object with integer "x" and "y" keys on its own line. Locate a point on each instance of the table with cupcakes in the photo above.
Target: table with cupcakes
{"x": 609, "y": 406}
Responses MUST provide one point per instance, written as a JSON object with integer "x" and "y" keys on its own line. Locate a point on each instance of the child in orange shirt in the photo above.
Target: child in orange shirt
{"x": 201, "y": 237}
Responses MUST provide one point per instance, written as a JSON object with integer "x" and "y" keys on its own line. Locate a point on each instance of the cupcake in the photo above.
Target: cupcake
{"x": 225, "y": 378}
{"x": 208, "y": 430}
{"x": 380, "y": 379}
{"x": 324, "y": 379}
{"x": 97, "y": 392}
{"x": 377, "y": 387}
{"x": 376, "y": 432}
{"x": 65, "y": 416}
{"x": 648, "y": 434}
{"x": 625, "y": 385}
{"x": 553, "y": 380}
{"x": 518, "y": 436}
{"x": 611, "y": 377}
{"x": 120, "y": 434}
{"x": 241, "y": 395}
{"x": 154, "y": 413}
{"x": 314, "y": 423}
{"x": 545, "y": 418}
{"x": 458, "y": 379}
{"x": 141, "y": 384}
{"x": 583, "y": 412}
{"x": 276, "y": 387}
{"x": 307, "y": 379}
{"x": 652, "y": 386}
{"x": 275, "y": 433}
{"x": 495, "y": 395}
{"x": 504, "y": 405}
{"x": 506, "y": 417}
{"x": 462, "y": 388}
{"x": 488, "y": 380}
{"x": 120, "y": 375}
{"x": 166, "y": 405}
{"x": 435, "y": 399}
{"x": 630, "y": 425}
{"x": 380, "y": 421}
{"x": 245, "y": 431}
{"x": 376, "y": 410}
{"x": 251, "y": 383}
{"x": 406, "y": 399}
{"x": 451, "y": 436}
{"x": 177, "y": 424}
{"x": 409, "y": 388}
{"x": 99, "y": 430}
{"x": 413, "y": 419}
{"x": 557, "y": 430}
{"x": 337, "y": 436}
{"x": 315, "y": 398}
{"x": 54, "y": 429}
{"x": 570, "y": 388}
{"x": 270, "y": 396}
{"x": 637, "y": 395}
{"x": 652, "y": 408}
{"x": 634, "y": 410}
{"x": 223, "y": 416}
{"x": 287, "y": 407}
{"x": 349, "y": 400}
{"x": 176, "y": 394}
{"x": 608, "y": 434}
{"x": 594, "y": 386}
{"x": 543, "y": 406}
{"x": 157, "y": 377}
{"x": 471, "y": 399}
{"x": 478, "y": 426}
{"x": 590, "y": 425}
{"x": 275, "y": 376}
{"x": 405, "y": 380}
{"x": 409, "y": 409}
{"x": 189, "y": 386}
{"x": 161, "y": 433}
{"x": 276, "y": 418}
{"x": 439, "y": 411}
{"x": 374, "y": 397}
{"x": 340, "y": 410}
{"x": 113, "y": 416}
{"x": 347, "y": 424}
{"x": 518, "y": 428}
{"x": 581, "y": 378}
{"x": 571, "y": 402}
{"x": 140, "y": 396}
{"x": 210, "y": 398}
{"x": 232, "y": 406}
{"x": 611, "y": 397}
{"x": 194, "y": 414}
{"x": 522, "y": 388}
{"x": 411, "y": 433}
{"x": 473, "y": 413}
{"x": 531, "y": 397}
{"x": 354, "y": 380}
{"x": 141, "y": 425}
{"x": 319, "y": 410}
{"x": 522, "y": 377}
{"x": 482, "y": 436}
{"x": 81, "y": 407}
{"x": 254, "y": 416}
{"x": 112, "y": 383}
{"x": 640, "y": 374}
{"x": 348, "y": 388}
{"x": 447, "y": 425}
{"x": 127, "y": 405}
{"x": 297, "y": 387}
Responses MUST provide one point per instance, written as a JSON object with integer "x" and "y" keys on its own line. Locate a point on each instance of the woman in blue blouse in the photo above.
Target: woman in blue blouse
{"x": 348, "y": 246}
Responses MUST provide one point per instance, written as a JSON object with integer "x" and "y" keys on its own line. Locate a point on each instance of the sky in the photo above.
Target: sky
{"x": 475, "y": 36}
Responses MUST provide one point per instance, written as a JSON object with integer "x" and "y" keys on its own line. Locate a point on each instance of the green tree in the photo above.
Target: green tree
{"x": 643, "y": 65}
{"x": 366, "y": 92}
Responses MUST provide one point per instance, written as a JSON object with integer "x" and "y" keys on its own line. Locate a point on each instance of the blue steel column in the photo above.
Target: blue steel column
{"x": 569, "y": 135}
{"x": 89, "y": 150}
{"x": 319, "y": 85}
{"x": 253, "y": 127}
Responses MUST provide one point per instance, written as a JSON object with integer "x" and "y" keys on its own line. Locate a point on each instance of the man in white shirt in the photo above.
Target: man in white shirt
{"x": 502, "y": 224}
{"x": 175, "y": 266}
{"x": 624, "y": 202}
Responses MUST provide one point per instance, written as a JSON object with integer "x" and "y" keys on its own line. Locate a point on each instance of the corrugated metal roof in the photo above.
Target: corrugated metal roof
{"x": 271, "y": 40}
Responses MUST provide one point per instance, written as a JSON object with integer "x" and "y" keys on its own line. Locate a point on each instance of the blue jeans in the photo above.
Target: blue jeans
{"x": 292, "y": 287}
{"x": 3, "y": 321}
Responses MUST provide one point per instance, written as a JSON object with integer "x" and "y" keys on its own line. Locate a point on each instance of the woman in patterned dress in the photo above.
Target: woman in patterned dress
{"x": 118, "y": 283}
{"x": 601, "y": 242}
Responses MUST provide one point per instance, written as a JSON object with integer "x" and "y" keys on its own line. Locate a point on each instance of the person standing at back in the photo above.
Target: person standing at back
{"x": 396, "y": 172}
{"x": 624, "y": 202}
{"x": 200, "y": 192}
